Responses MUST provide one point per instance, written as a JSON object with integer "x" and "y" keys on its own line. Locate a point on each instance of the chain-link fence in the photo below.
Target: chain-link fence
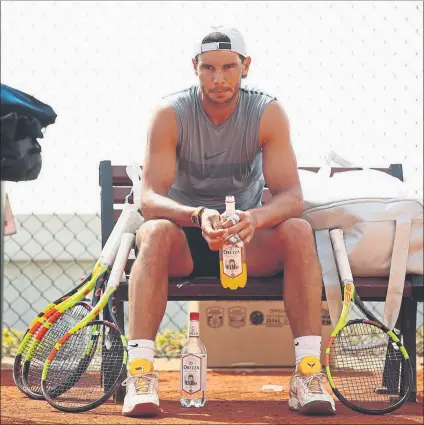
{"x": 47, "y": 256}
{"x": 45, "y": 259}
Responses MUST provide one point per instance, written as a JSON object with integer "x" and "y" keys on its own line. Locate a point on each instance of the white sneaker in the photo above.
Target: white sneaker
{"x": 142, "y": 390}
{"x": 307, "y": 392}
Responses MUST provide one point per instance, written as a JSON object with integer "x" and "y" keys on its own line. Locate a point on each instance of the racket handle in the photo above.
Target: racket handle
{"x": 342, "y": 260}
{"x": 129, "y": 221}
{"x": 118, "y": 268}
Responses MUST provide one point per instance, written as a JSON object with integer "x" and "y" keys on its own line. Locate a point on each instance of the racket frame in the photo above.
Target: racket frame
{"x": 129, "y": 221}
{"x": 108, "y": 393}
{"x": 350, "y": 294}
{"x": 96, "y": 282}
{"x": 33, "y": 327}
{"x": 118, "y": 269}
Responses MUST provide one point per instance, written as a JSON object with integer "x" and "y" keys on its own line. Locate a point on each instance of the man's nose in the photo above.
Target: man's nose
{"x": 218, "y": 77}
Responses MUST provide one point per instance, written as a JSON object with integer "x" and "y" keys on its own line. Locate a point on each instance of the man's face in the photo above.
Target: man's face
{"x": 220, "y": 74}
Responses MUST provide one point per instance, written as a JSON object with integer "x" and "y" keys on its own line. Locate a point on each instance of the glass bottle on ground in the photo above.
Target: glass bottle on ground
{"x": 193, "y": 367}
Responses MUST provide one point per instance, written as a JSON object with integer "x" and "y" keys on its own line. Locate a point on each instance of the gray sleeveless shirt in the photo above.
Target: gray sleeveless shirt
{"x": 215, "y": 161}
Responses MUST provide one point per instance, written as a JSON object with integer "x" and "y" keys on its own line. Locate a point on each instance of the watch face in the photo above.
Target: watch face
{"x": 195, "y": 220}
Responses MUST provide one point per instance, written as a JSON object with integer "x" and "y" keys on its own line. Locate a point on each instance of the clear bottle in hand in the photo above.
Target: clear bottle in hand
{"x": 232, "y": 256}
{"x": 193, "y": 367}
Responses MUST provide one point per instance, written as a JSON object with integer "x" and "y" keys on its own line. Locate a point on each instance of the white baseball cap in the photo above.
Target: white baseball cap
{"x": 236, "y": 43}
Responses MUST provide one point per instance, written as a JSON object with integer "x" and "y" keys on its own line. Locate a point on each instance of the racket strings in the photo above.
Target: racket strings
{"x": 366, "y": 366}
{"x": 64, "y": 323}
{"x": 86, "y": 367}
{"x": 24, "y": 354}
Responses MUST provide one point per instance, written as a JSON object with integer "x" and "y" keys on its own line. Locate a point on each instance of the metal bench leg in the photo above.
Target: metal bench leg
{"x": 390, "y": 384}
{"x": 119, "y": 305}
{"x": 409, "y": 332}
{"x": 407, "y": 325}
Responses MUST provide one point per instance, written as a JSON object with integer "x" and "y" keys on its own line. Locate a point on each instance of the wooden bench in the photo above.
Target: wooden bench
{"x": 115, "y": 185}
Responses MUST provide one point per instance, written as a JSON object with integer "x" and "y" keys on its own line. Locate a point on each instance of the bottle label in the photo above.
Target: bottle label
{"x": 193, "y": 372}
{"x": 231, "y": 261}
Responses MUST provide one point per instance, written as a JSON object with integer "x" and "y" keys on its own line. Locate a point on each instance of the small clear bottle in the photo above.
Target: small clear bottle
{"x": 193, "y": 367}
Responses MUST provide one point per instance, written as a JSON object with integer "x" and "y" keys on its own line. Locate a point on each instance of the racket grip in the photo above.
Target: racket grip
{"x": 118, "y": 268}
{"x": 129, "y": 221}
{"x": 342, "y": 260}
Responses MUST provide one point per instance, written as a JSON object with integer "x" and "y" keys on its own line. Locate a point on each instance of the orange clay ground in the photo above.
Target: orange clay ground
{"x": 234, "y": 397}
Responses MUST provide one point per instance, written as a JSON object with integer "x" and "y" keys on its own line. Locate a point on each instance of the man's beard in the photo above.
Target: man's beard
{"x": 225, "y": 102}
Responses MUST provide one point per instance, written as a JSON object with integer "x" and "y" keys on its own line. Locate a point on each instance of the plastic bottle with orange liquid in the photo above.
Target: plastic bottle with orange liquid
{"x": 232, "y": 256}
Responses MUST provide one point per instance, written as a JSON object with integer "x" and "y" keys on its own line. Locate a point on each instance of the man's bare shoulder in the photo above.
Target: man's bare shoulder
{"x": 163, "y": 126}
{"x": 173, "y": 104}
{"x": 274, "y": 120}
{"x": 163, "y": 111}
{"x": 275, "y": 111}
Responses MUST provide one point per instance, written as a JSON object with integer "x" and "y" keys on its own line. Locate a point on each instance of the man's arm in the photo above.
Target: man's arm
{"x": 280, "y": 170}
{"x": 159, "y": 170}
{"x": 158, "y": 175}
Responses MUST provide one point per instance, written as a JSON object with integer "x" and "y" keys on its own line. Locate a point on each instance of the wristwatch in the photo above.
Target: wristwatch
{"x": 196, "y": 216}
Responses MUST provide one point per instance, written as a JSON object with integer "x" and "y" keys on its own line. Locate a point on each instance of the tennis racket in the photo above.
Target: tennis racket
{"x": 59, "y": 319}
{"x": 87, "y": 364}
{"x": 32, "y": 329}
{"x": 367, "y": 366}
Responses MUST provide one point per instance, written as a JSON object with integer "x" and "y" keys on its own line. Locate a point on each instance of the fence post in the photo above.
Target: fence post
{"x": 106, "y": 199}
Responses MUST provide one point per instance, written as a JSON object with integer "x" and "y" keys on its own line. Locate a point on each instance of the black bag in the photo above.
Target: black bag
{"x": 20, "y": 155}
{"x": 22, "y": 118}
{"x": 23, "y": 104}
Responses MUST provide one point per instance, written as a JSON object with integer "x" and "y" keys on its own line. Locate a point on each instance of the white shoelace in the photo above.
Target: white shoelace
{"x": 313, "y": 382}
{"x": 143, "y": 383}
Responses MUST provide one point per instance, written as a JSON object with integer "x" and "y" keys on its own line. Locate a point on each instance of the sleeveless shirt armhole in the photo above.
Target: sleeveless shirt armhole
{"x": 178, "y": 103}
{"x": 266, "y": 100}
{"x": 177, "y": 111}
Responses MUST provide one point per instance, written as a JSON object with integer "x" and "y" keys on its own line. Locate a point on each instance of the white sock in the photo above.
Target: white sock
{"x": 307, "y": 346}
{"x": 141, "y": 349}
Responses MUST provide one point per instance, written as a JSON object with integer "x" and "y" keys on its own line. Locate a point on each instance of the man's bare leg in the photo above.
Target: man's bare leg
{"x": 302, "y": 278}
{"x": 163, "y": 252}
{"x": 291, "y": 245}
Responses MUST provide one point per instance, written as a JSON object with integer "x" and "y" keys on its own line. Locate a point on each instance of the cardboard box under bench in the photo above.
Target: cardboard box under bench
{"x": 250, "y": 333}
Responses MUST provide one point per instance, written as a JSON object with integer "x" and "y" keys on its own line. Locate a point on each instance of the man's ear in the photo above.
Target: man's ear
{"x": 246, "y": 66}
{"x": 194, "y": 62}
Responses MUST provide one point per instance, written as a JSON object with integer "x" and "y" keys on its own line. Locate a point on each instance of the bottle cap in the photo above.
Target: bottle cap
{"x": 229, "y": 198}
{"x": 194, "y": 316}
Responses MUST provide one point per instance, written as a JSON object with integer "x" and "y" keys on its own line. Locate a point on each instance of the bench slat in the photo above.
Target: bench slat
{"x": 265, "y": 288}
{"x": 116, "y": 214}
{"x": 119, "y": 194}
{"x": 120, "y": 177}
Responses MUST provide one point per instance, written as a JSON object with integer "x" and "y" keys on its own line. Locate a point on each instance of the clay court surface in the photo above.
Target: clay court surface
{"x": 234, "y": 397}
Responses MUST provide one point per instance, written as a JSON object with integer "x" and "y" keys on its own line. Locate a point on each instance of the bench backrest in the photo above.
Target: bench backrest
{"x": 114, "y": 179}
{"x": 115, "y": 185}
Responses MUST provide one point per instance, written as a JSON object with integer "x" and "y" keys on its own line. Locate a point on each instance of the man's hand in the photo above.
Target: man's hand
{"x": 212, "y": 229}
{"x": 245, "y": 228}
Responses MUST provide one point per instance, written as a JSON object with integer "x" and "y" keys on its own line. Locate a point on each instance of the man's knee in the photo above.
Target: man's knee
{"x": 295, "y": 230}
{"x": 159, "y": 231}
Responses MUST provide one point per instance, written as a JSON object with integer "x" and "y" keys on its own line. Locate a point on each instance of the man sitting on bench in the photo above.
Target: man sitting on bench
{"x": 208, "y": 141}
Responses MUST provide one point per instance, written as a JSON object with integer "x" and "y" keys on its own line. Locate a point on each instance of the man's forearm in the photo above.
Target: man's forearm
{"x": 279, "y": 208}
{"x": 156, "y": 206}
